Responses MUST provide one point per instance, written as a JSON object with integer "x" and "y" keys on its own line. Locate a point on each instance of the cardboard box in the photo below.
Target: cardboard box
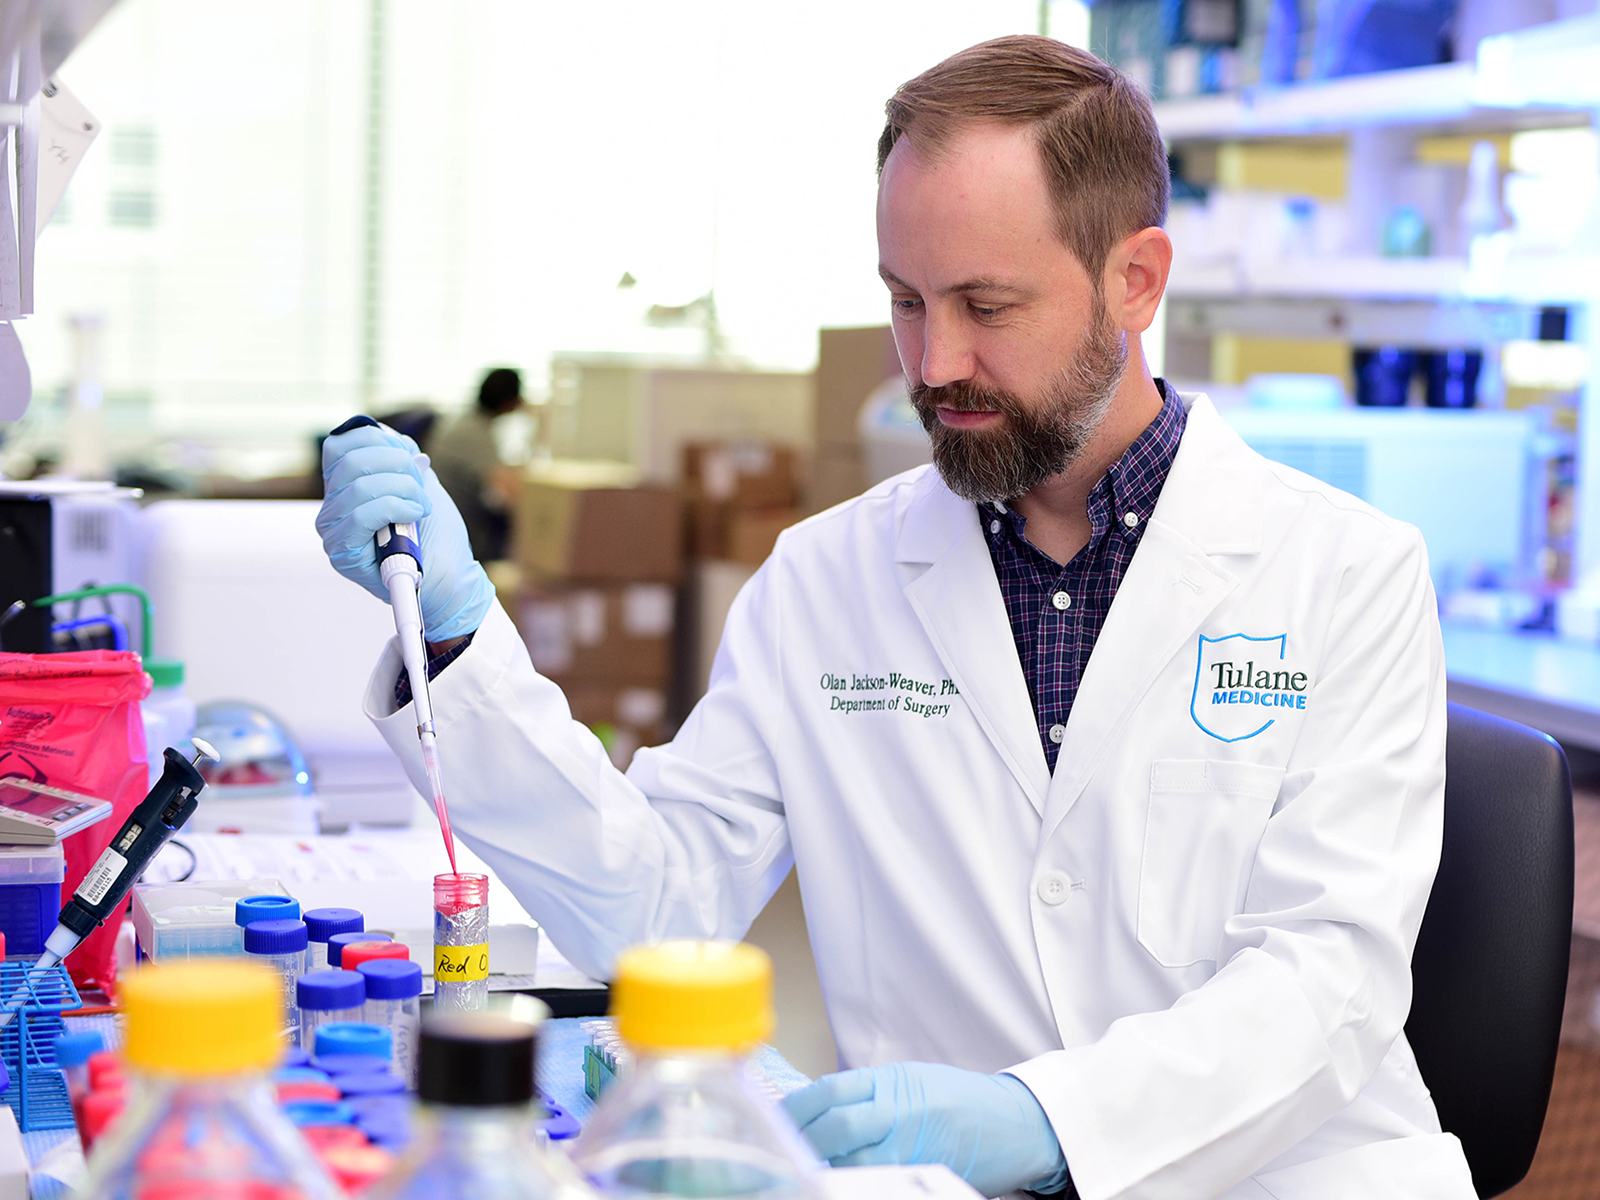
{"x": 837, "y": 474}
{"x": 629, "y": 410}
{"x": 624, "y": 717}
{"x": 745, "y": 474}
{"x": 599, "y": 632}
{"x": 850, "y": 364}
{"x": 591, "y": 522}
{"x": 752, "y": 534}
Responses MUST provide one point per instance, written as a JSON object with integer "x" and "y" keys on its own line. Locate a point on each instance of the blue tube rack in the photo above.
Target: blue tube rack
{"x": 38, "y": 1091}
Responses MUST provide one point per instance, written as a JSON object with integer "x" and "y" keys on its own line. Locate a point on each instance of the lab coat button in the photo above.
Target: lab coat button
{"x": 1061, "y": 600}
{"x": 1054, "y": 888}
{"x": 1057, "y": 732}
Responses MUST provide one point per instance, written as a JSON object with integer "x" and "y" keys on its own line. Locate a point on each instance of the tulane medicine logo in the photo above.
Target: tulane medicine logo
{"x": 1240, "y": 682}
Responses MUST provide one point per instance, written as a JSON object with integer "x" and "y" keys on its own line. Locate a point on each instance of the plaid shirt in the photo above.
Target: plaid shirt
{"x": 1056, "y": 612}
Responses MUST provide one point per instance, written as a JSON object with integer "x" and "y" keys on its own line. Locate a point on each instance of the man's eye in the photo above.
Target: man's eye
{"x": 985, "y": 313}
{"x": 905, "y": 307}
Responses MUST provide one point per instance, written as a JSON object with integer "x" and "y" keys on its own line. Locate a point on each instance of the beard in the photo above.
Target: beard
{"x": 1034, "y": 440}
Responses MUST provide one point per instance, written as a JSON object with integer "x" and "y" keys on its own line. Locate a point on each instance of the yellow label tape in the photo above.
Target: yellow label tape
{"x": 460, "y": 964}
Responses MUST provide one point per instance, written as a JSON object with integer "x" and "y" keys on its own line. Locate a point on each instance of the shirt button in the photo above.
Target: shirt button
{"x": 1054, "y": 888}
{"x": 1062, "y": 601}
{"x": 1057, "y": 732}
{"x": 1130, "y": 519}
{"x": 994, "y": 526}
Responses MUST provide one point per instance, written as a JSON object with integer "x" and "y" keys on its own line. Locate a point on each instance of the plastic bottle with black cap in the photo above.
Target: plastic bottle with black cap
{"x": 475, "y": 1133}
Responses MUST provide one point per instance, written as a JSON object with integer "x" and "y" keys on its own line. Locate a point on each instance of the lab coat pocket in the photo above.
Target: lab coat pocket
{"x": 1204, "y": 821}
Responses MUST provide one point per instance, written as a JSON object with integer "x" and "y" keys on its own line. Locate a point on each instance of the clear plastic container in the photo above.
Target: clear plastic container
{"x": 394, "y": 1000}
{"x": 460, "y": 942}
{"x": 203, "y": 1038}
{"x": 690, "y": 1119}
{"x": 323, "y": 923}
{"x": 474, "y": 1135}
{"x": 167, "y": 712}
{"x": 280, "y": 945}
{"x": 30, "y": 895}
{"x": 325, "y": 997}
{"x": 184, "y": 920}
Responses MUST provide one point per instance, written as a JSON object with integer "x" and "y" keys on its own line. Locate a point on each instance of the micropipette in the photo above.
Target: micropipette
{"x": 400, "y": 566}
{"x": 148, "y": 828}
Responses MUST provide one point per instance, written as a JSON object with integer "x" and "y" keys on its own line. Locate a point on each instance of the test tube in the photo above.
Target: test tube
{"x": 72, "y": 1056}
{"x": 460, "y": 942}
{"x": 339, "y": 941}
{"x": 281, "y": 945}
{"x": 325, "y": 997}
{"x": 265, "y": 908}
{"x": 322, "y": 924}
{"x": 356, "y": 953}
{"x": 357, "y": 1038}
{"x": 394, "y": 1000}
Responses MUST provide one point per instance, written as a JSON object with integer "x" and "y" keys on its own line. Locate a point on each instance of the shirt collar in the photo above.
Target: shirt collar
{"x": 1133, "y": 482}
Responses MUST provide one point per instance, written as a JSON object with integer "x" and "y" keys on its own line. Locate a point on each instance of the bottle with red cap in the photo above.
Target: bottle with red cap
{"x": 202, "y": 1039}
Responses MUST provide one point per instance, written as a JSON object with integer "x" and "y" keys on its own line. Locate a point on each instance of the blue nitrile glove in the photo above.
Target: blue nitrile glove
{"x": 372, "y": 477}
{"x": 986, "y": 1128}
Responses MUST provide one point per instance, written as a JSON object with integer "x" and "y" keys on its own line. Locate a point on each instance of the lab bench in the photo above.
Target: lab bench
{"x": 1532, "y": 677}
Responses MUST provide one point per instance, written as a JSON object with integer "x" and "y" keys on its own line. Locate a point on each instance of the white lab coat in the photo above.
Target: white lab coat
{"x": 1191, "y": 941}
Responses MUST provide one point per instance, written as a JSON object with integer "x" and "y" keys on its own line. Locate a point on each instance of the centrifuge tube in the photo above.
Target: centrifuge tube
{"x": 460, "y": 942}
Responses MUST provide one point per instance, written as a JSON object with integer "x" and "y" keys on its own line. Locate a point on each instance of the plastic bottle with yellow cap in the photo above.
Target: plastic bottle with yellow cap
{"x": 203, "y": 1037}
{"x": 690, "y": 1119}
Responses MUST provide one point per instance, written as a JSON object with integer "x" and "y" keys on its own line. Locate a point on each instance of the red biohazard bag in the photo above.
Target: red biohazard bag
{"x": 73, "y": 721}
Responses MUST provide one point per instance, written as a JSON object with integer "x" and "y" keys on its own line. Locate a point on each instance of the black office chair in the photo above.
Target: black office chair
{"x": 1489, "y": 976}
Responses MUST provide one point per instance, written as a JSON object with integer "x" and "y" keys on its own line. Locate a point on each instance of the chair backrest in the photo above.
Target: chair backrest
{"x": 1489, "y": 975}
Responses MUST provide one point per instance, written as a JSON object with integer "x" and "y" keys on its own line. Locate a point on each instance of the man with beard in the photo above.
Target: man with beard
{"x": 1109, "y": 755}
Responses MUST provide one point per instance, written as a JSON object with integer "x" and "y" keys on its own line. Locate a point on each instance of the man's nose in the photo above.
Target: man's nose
{"x": 946, "y": 354}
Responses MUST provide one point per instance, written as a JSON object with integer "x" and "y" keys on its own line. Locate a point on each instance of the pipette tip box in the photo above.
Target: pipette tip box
{"x": 193, "y": 919}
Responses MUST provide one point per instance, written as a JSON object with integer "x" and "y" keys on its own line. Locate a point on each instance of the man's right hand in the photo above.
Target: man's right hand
{"x": 372, "y": 477}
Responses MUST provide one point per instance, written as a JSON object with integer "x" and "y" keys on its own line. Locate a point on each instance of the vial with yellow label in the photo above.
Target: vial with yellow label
{"x": 460, "y": 943}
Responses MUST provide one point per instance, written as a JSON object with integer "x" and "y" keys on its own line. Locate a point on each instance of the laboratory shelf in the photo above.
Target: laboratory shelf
{"x": 1529, "y": 279}
{"x": 1535, "y": 678}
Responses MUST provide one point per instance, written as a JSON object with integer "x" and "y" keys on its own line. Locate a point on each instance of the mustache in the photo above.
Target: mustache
{"x": 960, "y": 396}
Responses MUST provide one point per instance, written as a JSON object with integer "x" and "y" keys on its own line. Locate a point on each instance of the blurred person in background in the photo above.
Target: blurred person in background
{"x": 469, "y": 465}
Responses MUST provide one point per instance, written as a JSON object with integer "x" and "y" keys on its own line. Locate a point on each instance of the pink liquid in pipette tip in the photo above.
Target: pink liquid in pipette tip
{"x": 430, "y": 764}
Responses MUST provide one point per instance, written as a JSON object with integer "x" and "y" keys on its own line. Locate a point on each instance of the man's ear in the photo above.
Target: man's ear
{"x": 1136, "y": 278}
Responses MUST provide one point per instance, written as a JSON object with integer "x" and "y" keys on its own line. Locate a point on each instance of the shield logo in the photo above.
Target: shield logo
{"x": 1223, "y": 703}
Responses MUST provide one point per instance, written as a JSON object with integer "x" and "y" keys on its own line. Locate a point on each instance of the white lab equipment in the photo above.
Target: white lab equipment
{"x": 1465, "y": 479}
{"x": 70, "y": 535}
{"x": 244, "y": 595}
{"x": 1194, "y": 883}
{"x": 262, "y": 783}
{"x": 892, "y": 436}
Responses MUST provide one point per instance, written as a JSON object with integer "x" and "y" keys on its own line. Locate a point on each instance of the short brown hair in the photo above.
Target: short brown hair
{"x": 1097, "y": 137}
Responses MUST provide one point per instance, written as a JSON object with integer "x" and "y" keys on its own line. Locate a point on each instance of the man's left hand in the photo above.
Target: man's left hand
{"x": 986, "y": 1128}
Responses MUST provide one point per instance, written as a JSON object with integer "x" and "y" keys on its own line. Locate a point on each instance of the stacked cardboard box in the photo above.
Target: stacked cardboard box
{"x": 851, "y": 363}
{"x": 599, "y": 558}
{"x": 741, "y": 496}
